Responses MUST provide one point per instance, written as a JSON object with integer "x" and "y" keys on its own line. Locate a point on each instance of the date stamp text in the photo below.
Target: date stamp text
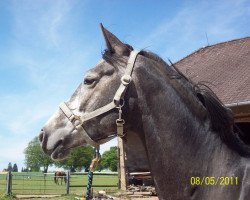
{"x": 211, "y": 180}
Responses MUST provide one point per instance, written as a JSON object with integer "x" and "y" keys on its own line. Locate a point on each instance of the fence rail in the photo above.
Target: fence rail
{"x": 39, "y": 183}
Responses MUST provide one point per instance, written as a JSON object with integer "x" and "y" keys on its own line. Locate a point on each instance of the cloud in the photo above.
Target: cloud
{"x": 52, "y": 69}
{"x": 186, "y": 31}
{"x": 45, "y": 53}
{"x": 49, "y": 83}
{"x": 106, "y": 146}
{"x": 40, "y": 20}
{"x": 12, "y": 151}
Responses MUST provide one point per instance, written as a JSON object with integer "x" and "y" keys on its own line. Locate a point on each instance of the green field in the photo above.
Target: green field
{"x": 37, "y": 183}
{"x": 2, "y": 183}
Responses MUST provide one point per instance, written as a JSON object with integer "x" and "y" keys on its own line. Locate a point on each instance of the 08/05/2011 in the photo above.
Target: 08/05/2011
{"x": 211, "y": 180}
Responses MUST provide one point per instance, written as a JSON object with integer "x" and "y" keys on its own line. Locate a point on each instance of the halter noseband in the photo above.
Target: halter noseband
{"x": 78, "y": 121}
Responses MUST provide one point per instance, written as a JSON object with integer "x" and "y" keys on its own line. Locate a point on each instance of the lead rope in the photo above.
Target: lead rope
{"x": 92, "y": 167}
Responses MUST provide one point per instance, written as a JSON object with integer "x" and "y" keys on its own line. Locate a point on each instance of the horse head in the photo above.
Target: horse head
{"x": 90, "y": 115}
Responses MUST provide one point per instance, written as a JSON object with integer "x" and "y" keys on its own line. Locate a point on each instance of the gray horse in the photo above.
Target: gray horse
{"x": 192, "y": 149}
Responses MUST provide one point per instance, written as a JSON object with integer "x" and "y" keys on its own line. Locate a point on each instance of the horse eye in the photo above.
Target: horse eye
{"x": 89, "y": 81}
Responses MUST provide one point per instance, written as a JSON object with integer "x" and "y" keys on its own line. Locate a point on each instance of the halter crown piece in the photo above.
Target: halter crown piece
{"x": 78, "y": 121}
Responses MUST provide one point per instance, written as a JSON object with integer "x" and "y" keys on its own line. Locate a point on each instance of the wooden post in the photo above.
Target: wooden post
{"x": 9, "y": 183}
{"x": 121, "y": 165}
{"x": 44, "y": 182}
{"x": 67, "y": 182}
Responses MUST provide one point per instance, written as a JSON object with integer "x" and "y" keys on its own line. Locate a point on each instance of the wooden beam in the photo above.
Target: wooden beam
{"x": 121, "y": 166}
{"x": 241, "y": 111}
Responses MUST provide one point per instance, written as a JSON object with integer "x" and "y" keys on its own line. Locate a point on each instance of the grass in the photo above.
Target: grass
{"x": 62, "y": 197}
{"x": 36, "y": 183}
{"x": 2, "y": 183}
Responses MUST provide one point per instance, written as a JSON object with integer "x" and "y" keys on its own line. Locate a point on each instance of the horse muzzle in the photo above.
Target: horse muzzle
{"x": 52, "y": 149}
{"x": 43, "y": 138}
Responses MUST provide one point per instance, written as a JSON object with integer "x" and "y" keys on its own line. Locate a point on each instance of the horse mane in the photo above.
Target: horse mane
{"x": 221, "y": 117}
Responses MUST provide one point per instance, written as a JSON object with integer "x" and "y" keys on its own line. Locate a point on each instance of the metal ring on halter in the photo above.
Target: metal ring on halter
{"x": 126, "y": 79}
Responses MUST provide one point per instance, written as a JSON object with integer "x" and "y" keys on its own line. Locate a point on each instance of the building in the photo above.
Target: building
{"x": 225, "y": 68}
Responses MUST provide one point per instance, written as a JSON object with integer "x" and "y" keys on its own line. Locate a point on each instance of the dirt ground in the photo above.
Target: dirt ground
{"x": 72, "y": 197}
{"x": 33, "y": 197}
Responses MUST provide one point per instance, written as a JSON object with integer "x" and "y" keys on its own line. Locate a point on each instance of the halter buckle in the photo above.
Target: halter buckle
{"x": 120, "y": 122}
{"x": 74, "y": 119}
{"x": 120, "y": 130}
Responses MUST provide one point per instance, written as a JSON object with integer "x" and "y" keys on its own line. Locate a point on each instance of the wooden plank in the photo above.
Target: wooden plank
{"x": 67, "y": 182}
{"x": 85, "y": 185}
{"x": 9, "y": 183}
{"x": 139, "y": 173}
{"x": 121, "y": 168}
{"x": 241, "y": 111}
{"x": 95, "y": 173}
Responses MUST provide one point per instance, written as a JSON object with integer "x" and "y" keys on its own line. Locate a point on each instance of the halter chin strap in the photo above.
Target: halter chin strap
{"x": 78, "y": 121}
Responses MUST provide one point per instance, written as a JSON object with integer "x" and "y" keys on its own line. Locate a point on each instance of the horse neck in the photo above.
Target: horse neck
{"x": 176, "y": 128}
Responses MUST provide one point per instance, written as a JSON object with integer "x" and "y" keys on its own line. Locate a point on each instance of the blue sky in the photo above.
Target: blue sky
{"x": 46, "y": 47}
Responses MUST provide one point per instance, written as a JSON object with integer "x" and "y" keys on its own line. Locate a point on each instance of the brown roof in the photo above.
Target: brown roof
{"x": 225, "y": 65}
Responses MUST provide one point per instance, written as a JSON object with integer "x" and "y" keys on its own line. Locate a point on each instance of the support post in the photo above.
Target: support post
{"x": 121, "y": 165}
{"x": 67, "y": 182}
{"x": 9, "y": 183}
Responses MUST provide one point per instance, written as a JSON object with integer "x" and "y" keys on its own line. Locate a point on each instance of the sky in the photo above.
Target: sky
{"x": 46, "y": 46}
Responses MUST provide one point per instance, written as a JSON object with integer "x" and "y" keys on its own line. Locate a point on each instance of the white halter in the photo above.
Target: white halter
{"x": 78, "y": 121}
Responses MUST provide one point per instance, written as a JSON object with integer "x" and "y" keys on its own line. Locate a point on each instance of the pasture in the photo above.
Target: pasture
{"x": 35, "y": 183}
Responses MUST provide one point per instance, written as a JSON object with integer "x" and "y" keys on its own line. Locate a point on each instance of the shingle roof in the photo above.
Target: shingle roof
{"x": 226, "y": 66}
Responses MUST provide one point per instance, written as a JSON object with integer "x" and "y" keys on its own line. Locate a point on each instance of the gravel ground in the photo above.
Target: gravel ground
{"x": 72, "y": 197}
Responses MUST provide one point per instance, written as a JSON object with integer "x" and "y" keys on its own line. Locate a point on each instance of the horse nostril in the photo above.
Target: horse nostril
{"x": 41, "y": 135}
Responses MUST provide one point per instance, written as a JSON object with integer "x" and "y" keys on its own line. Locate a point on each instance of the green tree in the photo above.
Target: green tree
{"x": 110, "y": 159}
{"x": 15, "y": 168}
{"x": 35, "y": 157}
{"x": 79, "y": 158}
{"x": 9, "y": 168}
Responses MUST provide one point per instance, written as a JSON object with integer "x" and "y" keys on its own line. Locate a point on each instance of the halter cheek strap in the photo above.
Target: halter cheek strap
{"x": 78, "y": 121}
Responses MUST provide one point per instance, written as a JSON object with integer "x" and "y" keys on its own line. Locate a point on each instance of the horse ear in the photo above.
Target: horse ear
{"x": 113, "y": 44}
